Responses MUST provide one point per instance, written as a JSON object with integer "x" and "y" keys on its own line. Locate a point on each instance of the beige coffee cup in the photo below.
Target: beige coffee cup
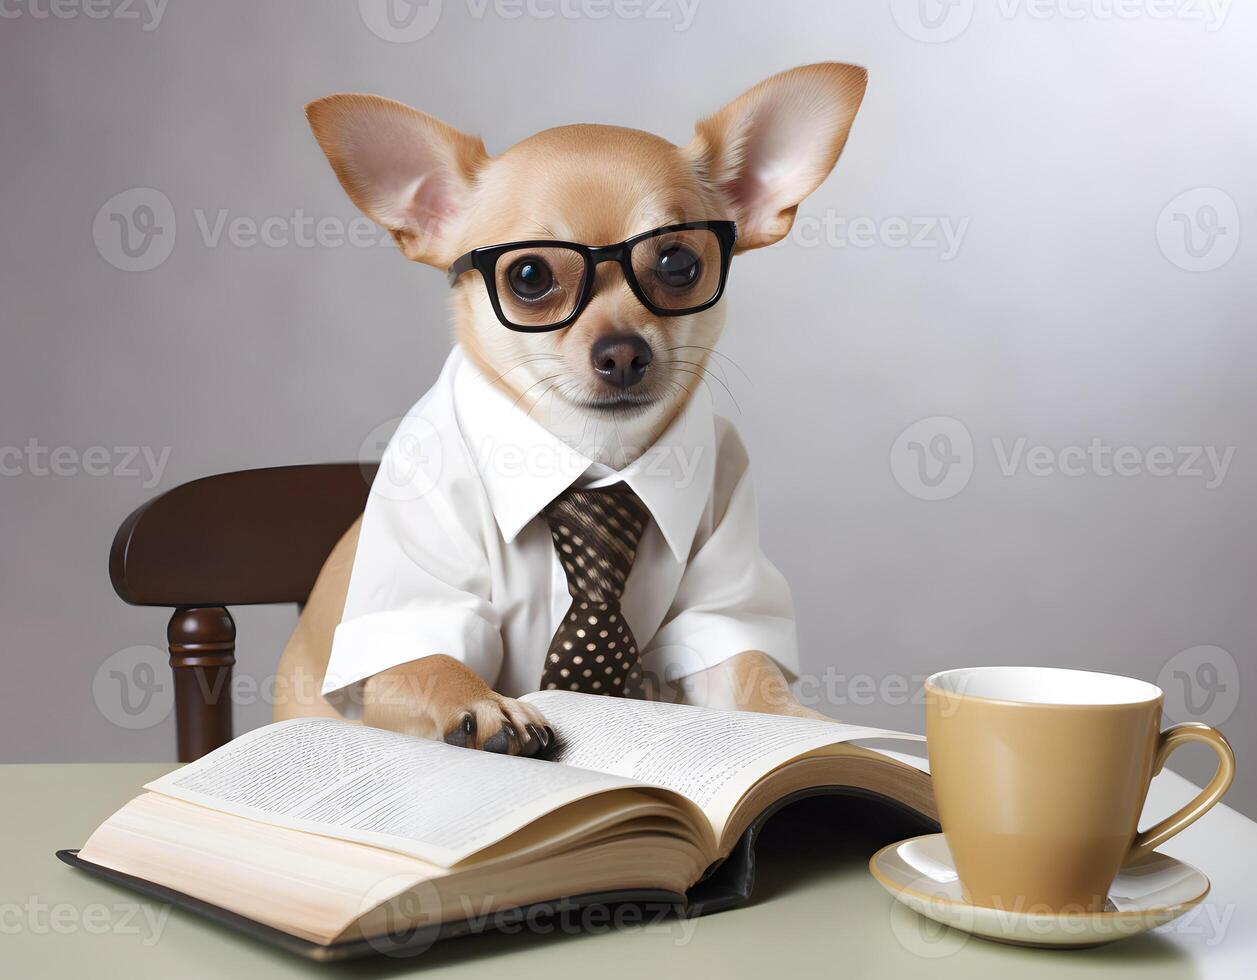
{"x": 1040, "y": 774}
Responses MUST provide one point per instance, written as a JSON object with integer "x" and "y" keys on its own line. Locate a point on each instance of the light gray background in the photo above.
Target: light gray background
{"x": 1065, "y": 316}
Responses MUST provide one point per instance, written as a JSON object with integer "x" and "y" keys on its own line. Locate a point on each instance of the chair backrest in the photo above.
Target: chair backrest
{"x": 244, "y": 538}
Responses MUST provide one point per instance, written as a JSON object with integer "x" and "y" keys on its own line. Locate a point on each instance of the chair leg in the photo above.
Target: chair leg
{"x": 202, "y": 652}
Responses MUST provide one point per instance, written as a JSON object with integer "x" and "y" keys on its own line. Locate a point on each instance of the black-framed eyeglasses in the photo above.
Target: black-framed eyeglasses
{"x": 541, "y": 285}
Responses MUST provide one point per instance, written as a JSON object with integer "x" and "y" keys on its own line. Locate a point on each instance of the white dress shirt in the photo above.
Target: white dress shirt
{"x": 454, "y": 558}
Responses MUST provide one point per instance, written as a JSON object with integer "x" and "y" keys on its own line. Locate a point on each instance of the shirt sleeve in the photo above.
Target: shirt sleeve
{"x": 421, "y": 579}
{"x": 731, "y": 597}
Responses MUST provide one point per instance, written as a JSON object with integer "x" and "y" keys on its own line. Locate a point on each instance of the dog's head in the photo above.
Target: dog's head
{"x": 622, "y": 354}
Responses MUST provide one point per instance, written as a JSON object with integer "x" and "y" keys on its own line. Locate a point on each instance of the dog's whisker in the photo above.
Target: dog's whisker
{"x": 619, "y": 436}
{"x": 523, "y": 393}
{"x": 680, "y": 389}
{"x": 700, "y": 378}
{"x": 710, "y": 393}
{"x": 570, "y": 391}
{"x": 712, "y": 350}
{"x": 703, "y": 377}
{"x": 721, "y": 377}
{"x": 542, "y": 398}
{"x": 523, "y": 362}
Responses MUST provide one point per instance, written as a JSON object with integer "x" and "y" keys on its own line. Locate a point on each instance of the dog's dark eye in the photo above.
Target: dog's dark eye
{"x": 530, "y": 278}
{"x": 677, "y": 266}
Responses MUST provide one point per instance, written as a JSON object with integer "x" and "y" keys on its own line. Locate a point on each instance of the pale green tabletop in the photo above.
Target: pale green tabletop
{"x": 815, "y": 914}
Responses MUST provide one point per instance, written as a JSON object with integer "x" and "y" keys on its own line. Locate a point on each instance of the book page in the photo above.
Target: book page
{"x": 710, "y": 756}
{"x": 419, "y": 797}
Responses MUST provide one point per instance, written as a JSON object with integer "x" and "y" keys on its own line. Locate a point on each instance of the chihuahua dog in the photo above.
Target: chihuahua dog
{"x": 441, "y": 195}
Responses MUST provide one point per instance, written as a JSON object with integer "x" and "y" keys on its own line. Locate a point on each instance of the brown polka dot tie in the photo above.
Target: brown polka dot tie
{"x": 596, "y": 533}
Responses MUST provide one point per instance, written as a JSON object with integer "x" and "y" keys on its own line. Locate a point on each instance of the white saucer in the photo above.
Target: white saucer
{"x": 1152, "y": 891}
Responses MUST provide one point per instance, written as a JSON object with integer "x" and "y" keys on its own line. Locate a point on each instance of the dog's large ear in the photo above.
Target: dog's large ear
{"x": 771, "y": 147}
{"x": 409, "y": 172}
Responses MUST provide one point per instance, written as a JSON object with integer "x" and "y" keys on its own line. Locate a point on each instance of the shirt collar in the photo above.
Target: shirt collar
{"x": 524, "y": 466}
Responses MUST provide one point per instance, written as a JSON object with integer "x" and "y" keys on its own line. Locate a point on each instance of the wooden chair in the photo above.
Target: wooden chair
{"x": 246, "y": 538}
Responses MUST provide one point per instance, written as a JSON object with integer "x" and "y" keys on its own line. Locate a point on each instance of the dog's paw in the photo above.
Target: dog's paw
{"x": 498, "y": 724}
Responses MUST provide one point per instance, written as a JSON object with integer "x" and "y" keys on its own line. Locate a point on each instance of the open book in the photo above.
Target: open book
{"x": 335, "y": 833}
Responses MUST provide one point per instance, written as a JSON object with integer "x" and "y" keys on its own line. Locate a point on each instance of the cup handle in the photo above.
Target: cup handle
{"x": 1169, "y": 740}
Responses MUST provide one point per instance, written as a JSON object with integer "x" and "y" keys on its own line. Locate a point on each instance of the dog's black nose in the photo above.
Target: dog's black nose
{"x": 622, "y": 360}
